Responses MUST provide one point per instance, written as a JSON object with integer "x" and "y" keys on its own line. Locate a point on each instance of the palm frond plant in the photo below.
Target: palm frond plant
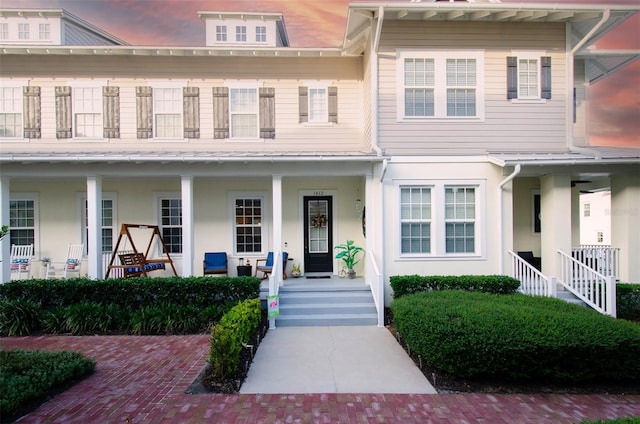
{"x": 348, "y": 253}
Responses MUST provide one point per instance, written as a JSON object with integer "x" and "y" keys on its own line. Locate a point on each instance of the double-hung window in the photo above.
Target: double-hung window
{"x": 261, "y": 34}
{"x": 438, "y": 85}
{"x": 44, "y": 31}
{"x": 318, "y": 103}
{"x": 23, "y": 31}
{"x": 87, "y": 112}
{"x": 107, "y": 229}
{"x": 440, "y": 219}
{"x": 22, "y": 220}
{"x": 4, "y": 31}
{"x": 171, "y": 222}
{"x": 528, "y": 76}
{"x": 243, "y": 112}
{"x": 11, "y": 112}
{"x": 221, "y": 33}
{"x": 248, "y": 220}
{"x": 167, "y": 112}
{"x": 241, "y": 33}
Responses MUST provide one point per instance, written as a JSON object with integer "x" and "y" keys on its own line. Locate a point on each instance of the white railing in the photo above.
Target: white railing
{"x": 601, "y": 258}
{"x": 375, "y": 281}
{"x": 275, "y": 281}
{"x": 532, "y": 281}
{"x": 115, "y": 272}
{"x": 593, "y": 288}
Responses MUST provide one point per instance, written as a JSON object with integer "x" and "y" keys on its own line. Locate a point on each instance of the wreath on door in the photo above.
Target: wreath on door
{"x": 318, "y": 221}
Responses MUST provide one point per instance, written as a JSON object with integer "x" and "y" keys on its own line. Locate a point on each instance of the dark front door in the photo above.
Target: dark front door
{"x": 318, "y": 241}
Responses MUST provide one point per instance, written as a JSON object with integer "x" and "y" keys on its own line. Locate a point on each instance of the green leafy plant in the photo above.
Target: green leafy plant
{"x": 348, "y": 252}
{"x": 18, "y": 317}
{"x": 4, "y": 230}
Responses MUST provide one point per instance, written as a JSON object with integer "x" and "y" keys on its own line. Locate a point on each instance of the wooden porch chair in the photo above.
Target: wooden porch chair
{"x": 71, "y": 267}
{"x": 268, "y": 265}
{"x": 214, "y": 263}
{"x": 21, "y": 260}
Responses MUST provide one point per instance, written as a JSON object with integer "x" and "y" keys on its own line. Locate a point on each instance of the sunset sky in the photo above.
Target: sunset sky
{"x": 615, "y": 114}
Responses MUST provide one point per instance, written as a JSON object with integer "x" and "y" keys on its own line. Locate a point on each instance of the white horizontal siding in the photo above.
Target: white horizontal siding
{"x": 507, "y": 126}
{"x": 285, "y": 75}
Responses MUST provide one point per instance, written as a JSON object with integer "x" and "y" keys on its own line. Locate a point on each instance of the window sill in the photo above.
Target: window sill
{"x": 529, "y": 101}
{"x": 318, "y": 124}
{"x": 421, "y": 120}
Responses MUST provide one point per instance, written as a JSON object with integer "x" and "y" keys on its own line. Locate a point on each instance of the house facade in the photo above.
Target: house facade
{"x": 441, "y": 136}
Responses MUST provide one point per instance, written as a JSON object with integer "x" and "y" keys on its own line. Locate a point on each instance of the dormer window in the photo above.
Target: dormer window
{"x": 45, "y": 31}
{"x": 23, "y": 31}
{"x": 261, "y": 34}
{"x": 221, "y": 33}
{"x": 4, "y": 31}
{"x": 241, "y": 33}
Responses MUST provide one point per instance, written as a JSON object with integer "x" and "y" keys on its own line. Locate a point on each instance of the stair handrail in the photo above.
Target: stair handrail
{"x": 593, "y": 288}
{"x": 603, "y": 258}
{"x": 532, "y": 281}
{"x": 374, "y": 279}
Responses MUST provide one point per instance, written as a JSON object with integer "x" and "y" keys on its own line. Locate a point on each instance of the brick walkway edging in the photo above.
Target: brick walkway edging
{"x": 143, "y": 380}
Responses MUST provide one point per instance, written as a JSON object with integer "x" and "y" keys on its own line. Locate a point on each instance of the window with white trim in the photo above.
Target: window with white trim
{"x": 167, "y": 112}
{"x": 4, "y": 31}
{"x": 107, "y": 229}
{"x": 587, "y": 210}
{"x": 439, "y": 219}
{"x": 318, "y": 104}
{"x": 243, "y": 112}
{"x": 22, "y": 220}
{"x": 261, "y": 34}
{"x": 87, "y": 112}
{"x": 11, "y": 112}
{"x": 528, "y": 76}
{"x": 248, "y": 219}
{"x": 241, "y": 33}
{"x": 460, "y": 219}
{"x": 44, "y": 31}
{"x": 171, "y": 223}
{"x": 221, "y": 33}
{"x": 23, "y": 31}
{"x": 440, "y": 85}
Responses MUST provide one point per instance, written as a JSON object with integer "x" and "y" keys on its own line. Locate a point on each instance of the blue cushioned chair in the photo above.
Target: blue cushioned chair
{"x": 215, "y": 263}
{"x": 268, "y": 266}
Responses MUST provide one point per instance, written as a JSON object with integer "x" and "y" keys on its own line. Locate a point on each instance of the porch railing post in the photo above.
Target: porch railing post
{"x": 611, "y": 300}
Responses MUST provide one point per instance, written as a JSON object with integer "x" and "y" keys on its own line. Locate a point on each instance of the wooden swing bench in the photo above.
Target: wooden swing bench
{"x": 136, "y": 264}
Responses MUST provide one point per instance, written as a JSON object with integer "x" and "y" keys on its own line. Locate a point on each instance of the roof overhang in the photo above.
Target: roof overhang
{"x": 601, "y": 63}
{"x": 583, "y": 17}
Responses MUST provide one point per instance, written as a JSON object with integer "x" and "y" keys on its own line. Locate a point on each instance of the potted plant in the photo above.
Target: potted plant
{"x": 295, "y": 271}
{"x": 347, "y": 252}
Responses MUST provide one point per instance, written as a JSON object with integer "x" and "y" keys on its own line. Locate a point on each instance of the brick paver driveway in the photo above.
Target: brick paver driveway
{"x": 143, "y": 380}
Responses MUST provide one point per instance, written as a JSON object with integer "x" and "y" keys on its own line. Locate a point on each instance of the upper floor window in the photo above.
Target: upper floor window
{"x": 221, "y": 33}
{"x": 248, "y": 217}
{"x": 23, "y": 31}
{"x": 318, "y": 103}
{"x": 587, "y": 210}
{"x": 440, "y": 218}
{"x": 22, "y": 220}
{"x": 4, "y": 31}
{"x": 600, "y": 237}
{"x": 241, "y": 33}
{"x": 87, "y": 112}
{"x": 243, "y": 112}
{"x": 440, "y": 85}
{"x": 171, "y": 223}
{"x": 261, "y": 34}
{"x": 528, "y": 76}
{"x": 167, "y": 112}
{"x": 45, "y": 31}
{"x": 11, "y": 112}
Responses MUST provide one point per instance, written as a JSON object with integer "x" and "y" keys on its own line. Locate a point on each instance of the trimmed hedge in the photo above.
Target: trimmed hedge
{"x": 124, "y": 306}
{"x": 228, "y": 336}
{"x": 628, "y": 297}
{"x": 628, "y": 420}
{"x": 403, "y": 285}
{"x": 517, "y": 337}
{"x": 29, "y": 375}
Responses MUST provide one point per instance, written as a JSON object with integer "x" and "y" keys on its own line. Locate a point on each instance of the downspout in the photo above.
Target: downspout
{"x": 504, "y": 182}
{"x": 570, "y": 70}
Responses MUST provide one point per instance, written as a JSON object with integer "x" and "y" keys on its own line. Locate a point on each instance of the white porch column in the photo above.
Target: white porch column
{"x": 555, "y": 221}
{"x": 5, "y": 245}
{"x": 94, "y": 227}
{"x": 625, "y": 224}
{"x": 575, "y": 216}
{"x": 277, "y": 212}
{"x": 187, "y": 225}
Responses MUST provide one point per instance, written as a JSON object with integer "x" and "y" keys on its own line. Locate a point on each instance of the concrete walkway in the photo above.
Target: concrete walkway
{"x": 333, "y": 360}
{"x": 144, "y": 379}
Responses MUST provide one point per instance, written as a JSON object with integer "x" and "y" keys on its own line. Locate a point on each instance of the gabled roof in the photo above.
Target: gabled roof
{"x": 585, "y": 18}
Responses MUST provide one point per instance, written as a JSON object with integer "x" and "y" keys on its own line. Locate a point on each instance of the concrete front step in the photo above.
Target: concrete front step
{"x": 326, "y": 308}
{"x": 326, "y": 320}
{"x": 324, "y": 297}
{"x": 569, "y": 297}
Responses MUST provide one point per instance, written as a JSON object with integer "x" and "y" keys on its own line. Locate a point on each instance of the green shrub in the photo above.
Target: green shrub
{"x": 228, "y": 336}
{"x": 165, "y": 319}
{"x": 18, "y": 317}
{"x": 628, "y": 298}
{"x": 28, "y": 375}
{"x": 517, "y": 337}
{"x": 403, "y": 285}
{"x": 628, "y": 420}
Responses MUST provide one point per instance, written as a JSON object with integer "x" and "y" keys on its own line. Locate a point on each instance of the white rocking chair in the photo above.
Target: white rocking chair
{"x": 71, "y": 267}
{"x": 21, "y": 260}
